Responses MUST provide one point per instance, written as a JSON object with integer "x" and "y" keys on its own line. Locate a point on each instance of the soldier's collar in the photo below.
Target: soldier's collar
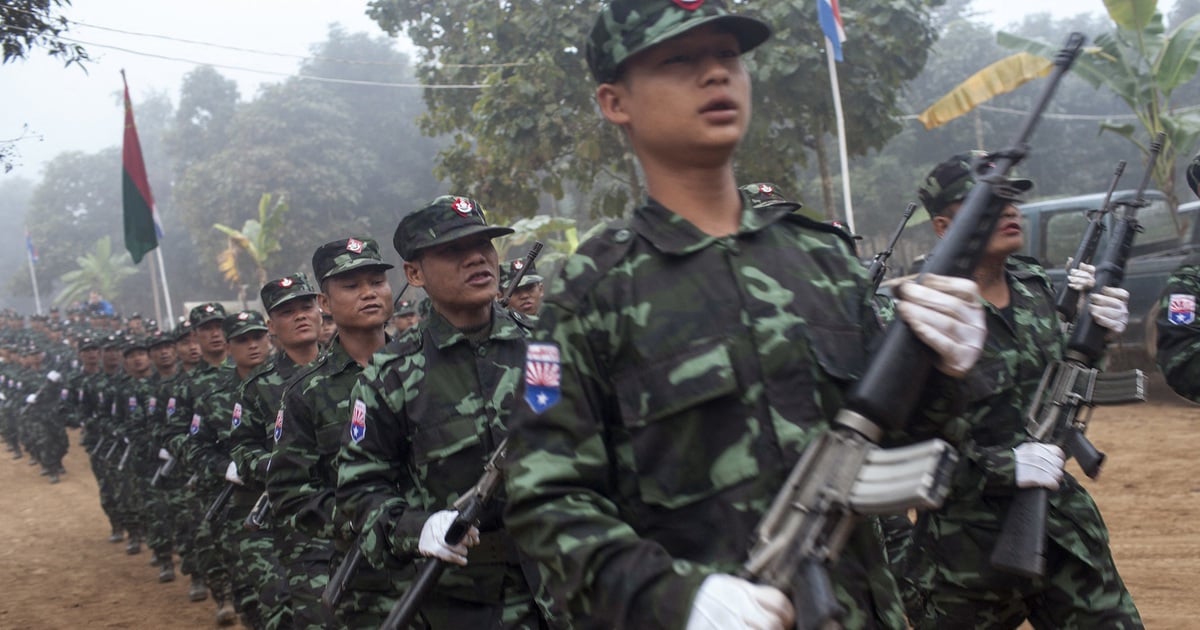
{"x": 672, "y": 234}
{"x": 444, "y": 334}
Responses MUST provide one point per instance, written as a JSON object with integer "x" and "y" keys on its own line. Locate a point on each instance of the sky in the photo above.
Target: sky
{"x": 68, "y": 109}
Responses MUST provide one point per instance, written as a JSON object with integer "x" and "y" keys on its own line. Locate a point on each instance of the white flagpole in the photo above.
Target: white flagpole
{"x": 37, "y": 299}
{"x": 841, "y": 133}
{"x": 166, "y": 291}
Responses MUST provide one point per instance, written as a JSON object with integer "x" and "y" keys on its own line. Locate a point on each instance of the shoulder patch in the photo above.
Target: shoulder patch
{"x": 358, "y": 421}
{"x": 236, "y": 421}
{"x": 543, "y": 376}
{"x": 278, "y": 425}
{"x": 1181, "y": 309}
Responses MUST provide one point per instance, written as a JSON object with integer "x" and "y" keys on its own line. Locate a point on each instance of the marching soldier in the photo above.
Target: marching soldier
{"x": 1178, "y": 329}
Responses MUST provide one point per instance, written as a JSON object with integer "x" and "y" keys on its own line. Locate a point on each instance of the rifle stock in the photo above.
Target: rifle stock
{"x": 1061, "y": 408}
{"x": 821, "y": 506}
{"x": 219, "y": 502}
{"x": 340, "y": 580}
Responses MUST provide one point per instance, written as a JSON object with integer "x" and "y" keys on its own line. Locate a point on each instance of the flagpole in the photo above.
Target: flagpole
{"x": 154, "y": 292}
{"x": 37, "y": 299}
{"x": 166, "y": 290}
{"x": 841, "y": 134}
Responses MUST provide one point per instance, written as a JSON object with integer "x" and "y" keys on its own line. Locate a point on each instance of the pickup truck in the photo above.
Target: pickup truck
{"x": 1053, "y": 229}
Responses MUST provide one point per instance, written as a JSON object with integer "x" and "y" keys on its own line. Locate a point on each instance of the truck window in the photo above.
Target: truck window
{"x": 1158, "y": 229}
{"x": 1063, "y": 229}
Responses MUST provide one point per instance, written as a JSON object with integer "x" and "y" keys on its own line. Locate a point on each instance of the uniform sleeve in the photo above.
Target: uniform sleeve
{"x": 372, "y": 470}
{"x": 297, "y": 493}
{"x": 178, "y": 420}
{"x": 562, "y": 472}
{"x": 201, "y": 448}
{"x": 1179, "y": 333}
{"x": 246, "y": 440}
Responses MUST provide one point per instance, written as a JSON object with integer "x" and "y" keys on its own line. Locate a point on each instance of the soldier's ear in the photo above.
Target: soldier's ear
{"x": 414, "y": 274}
{"x": 940, "y": 225}
{"x": 611, "y": 99}
{"x": 323, "y": 301}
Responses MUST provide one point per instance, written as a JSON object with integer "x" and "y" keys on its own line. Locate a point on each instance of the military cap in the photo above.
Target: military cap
{"x": 243, "y": 322}
{"x": 89, "y": 342}
{"x": 405, "y": 307}
{"x": 1193, "y": 175}
{"x": 951, "y": 180}
{"x": 443, "y": 220}
{"x": 627, "y": 27}
{"x": 183, "y": 329}
{"x": 112, "y": 342}
{"x": 285, "y": 289}
{"x": 510, "y": 269}
{"x": 205, "y": 313}
{"x": 133, "y": 343}
{"x": 158, "y": 338}
{"x": 345, "y": 255}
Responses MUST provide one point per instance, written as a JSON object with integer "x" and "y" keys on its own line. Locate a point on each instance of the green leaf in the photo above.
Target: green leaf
{"x": 1179, "y": 59}
{"x": 1131, "y": 15}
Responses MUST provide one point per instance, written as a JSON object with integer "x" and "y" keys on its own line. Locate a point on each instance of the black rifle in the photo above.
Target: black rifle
{"x": 219, "y": 502}
{"x": 97, "y": 446}
{"x": 1068, "y": 387}
{"x": 1067, "y": 302}
{"x": 164, "y": 470}
{"x": 470, "y": 507}
{"x": 340, "y": 580}
{"x": 843, "y": 474}
{"x": 516, "y": 279}
{"x": 878, "y": 266}
{"x": 124, "y": 455}
{"x": 112, "y": 448}
{"x": 258, "y": 514}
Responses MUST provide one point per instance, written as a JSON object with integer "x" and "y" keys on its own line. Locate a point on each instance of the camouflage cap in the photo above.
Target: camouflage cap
{"x": 89, "y": 343}
{"x": 445, "y": 219}
{"x": 404, "y": 307}
{"x": 511, "y": 268}
{"x": 242, "y": 323}
{"x": 344, "y": 255}
{"x": 205, "y": 313}
{"x": 285, "y": 289}
{"x": 183, "y": 330}
{"x": 1193, "y": 175}
{"x": 627, "y": 27}
{"x": 133, "y": 343}
{"x": 951, "y": 180}
{"x": 158, "y": 338}
{"x": 112, "y": 342}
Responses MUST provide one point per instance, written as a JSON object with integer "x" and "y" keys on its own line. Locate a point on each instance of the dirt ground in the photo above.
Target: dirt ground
{"x": 57, "y": 570}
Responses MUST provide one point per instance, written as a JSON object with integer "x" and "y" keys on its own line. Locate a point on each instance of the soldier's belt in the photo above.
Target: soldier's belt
{"x": 494, "y": 548}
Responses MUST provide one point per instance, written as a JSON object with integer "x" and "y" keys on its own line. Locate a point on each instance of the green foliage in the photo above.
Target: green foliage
{"x": 99, "y": 270}
{"x": 29, "y": 24}
{"x": 258, "y": 239}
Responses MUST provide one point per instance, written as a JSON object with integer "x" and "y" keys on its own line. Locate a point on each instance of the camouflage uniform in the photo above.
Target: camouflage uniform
{"x": 694, "y": 371}
{"x": 1178, "y": 329}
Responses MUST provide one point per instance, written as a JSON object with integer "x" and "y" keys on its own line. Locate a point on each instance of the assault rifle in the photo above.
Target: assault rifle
{"x": 164, "y": 470}
{"x": 1066, "y": 395}
{"x": 879, "y": 265}
{"x": 470, "y": 507}
{"x": 340, "y": 580}
{"x": 219, "y": 502}
{"x": 516, "y": 279}
{"x": 258, "y": 514}
{"x": 124, "y": 454}
{"x": 1067, "y": 302}
{"x": 97, "y": 446}
{"x": 112, "y": 448}
{"x": 843, "y": 474}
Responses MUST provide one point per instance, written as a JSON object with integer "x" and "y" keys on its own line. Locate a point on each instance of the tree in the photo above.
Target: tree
{"x": 29, "y": 24}
{"x": 523, "y": 126}
{"x": 98, "y": 270}
{"x": 1142, "y": 64}
{"x": 258, "y": 239}
{"x": 201, "y": 124}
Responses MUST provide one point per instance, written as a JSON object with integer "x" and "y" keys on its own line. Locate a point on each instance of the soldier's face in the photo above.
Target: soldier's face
{"x": 686, "y": 100}
{"x": 250, "y": 350}
{"x": 163, "y": 355}
{"x": 404, "y": 322}
{"x": 528, "y": 299}
{"x": 137, "y": 362}
{"x": 296, "y": 322}
{"x": 461, "y": 274}
{"x": 187, "y": 349}
{"x": 90, "y": 358}
{"x": 112, "y": 359}
{"x": 210, "y": 337}
{"x": 1008, "y": 237}
{"x": 359, "y": 299}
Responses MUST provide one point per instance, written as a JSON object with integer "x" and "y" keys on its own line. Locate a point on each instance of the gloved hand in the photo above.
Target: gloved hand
{"x": 724, "y": 601}
{"x": 1082, "y": 278}
{"x": 54, "y": 376}
{"x": 433, "y": 539}
{"x": 1110, "y": 308}
{"x": 30, "y": 399}
{"x": 231, "y": 474}
{"x": 1039, "y": 465}
{"x": 944, "y": 312}
{"x": 164, "y": 455}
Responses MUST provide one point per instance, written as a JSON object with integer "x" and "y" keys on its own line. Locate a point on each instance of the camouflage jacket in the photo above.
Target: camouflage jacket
{"x": 302, "y": 474}
{"x": 955, "y": 542}
{"x": 195, "y": 386}
{"x": 205, "y": 452}
{"x": 694, "y": 371}
{"x": 133, "y": 417}
{"x": 1179, "y": 330}
{"x": 427, "y": 414}
{"x": 252, "y": 434}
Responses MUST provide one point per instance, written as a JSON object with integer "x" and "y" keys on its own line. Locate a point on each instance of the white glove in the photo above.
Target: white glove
{"x": 724, "y": 601}
{"x": 944, "y": 312}
{"x": 433, "y": 539}
{"x": 1110, "y": 308}
{"x": 1039, "y": 465}
{"x": 164, "y": 455}
{"x": 54, "y": 376}
{"x": 231, "y": 474}
{"x": 30, "y": 399}
{"x": 1082, "y": 278}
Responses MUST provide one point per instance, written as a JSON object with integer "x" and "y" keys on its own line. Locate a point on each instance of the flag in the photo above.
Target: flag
{"x": 30, "y": 249}
{"x": 830, "y": 18}
{"x": 142, "y": 228}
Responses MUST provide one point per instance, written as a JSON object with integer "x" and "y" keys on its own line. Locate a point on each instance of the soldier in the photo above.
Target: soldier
{"x": 1178, "y": 330}
{"x": 405, "y": 316}
{"x": 685, "y": 359}
{"x": 527, "y": 297}
{"x": 301, "y": 476}
{"x": 949, "y": 557}
{"x": 291, "y": 305}
{"x": 328, "y": 329}
{"x": 129, "y": 418}
{"x": 426, "y": 416}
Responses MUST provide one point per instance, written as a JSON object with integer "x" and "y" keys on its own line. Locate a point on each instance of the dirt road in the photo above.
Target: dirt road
{"x": 57, "y": 571}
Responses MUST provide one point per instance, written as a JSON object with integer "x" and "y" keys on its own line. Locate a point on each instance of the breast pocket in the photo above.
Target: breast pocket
{"x": 448, "y": 457}
{"x": 686, "y": 426}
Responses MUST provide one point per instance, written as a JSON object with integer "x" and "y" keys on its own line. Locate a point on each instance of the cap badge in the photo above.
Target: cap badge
{"x": 462, "y": 206}
{"x": 354, "y": 245}
{"x": 688, "y": 5}
{"x": 285, "y": 283}
{"x": 209, "y": 308}
{"x": 518, "y": 264}
{"x": 765, "y": 189}
{"x": 243, "y": 316}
